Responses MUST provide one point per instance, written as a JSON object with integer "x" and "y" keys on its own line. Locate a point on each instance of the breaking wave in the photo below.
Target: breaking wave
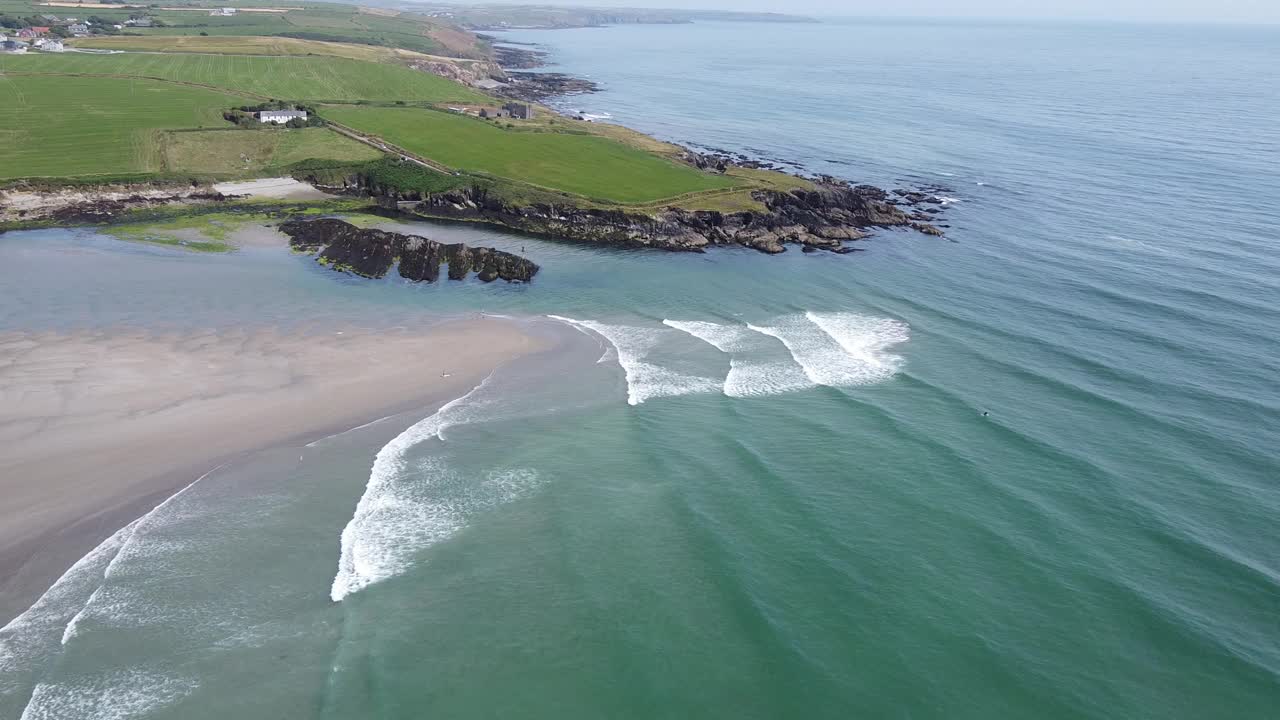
{"x": 409, "y": 505}
{"x": 390, "y": 521}
{"x": 840, "y": 349}
{"x": 751, "y": 372}
{"x": 645, "y": 380}
{"x": 790, "y": 353}
{"x": 113, "y": 696}
{"x": 33, "y": 639}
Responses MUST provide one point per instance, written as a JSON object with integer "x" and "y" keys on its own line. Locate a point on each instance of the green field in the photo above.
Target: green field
{"x": 253, "y": 153}
{"x": 245, "y": 45}
{"x": 590, "y": 166}
{"x": 291, "y": 78}
{"x": 72, "y": 126}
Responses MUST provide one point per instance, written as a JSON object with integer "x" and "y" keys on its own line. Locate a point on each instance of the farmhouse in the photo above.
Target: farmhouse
{"x": 222, "y": 12}
{"x": 50, "y": 45}
{"x": 280, "y": 117}
{"x": 78, "y": 29}
{"x": 519, "y": 111}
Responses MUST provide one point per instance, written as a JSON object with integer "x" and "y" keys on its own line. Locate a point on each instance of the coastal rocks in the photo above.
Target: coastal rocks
{"x": 371, "y": 253}
{"x": 708, "y": 162}
{"x": 515, "y": 58}
{"x": 720, "y": 161}
{"x": 825, "y": 217}
{"x": 538, "y": 86}
{"x": 468, "y": 72}
{"x": 95, "y": 205}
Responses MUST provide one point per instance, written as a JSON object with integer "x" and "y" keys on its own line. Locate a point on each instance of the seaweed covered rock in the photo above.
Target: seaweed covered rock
{"x": 372, "y": 253}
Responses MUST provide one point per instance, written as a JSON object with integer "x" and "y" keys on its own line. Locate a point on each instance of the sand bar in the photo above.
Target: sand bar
{"x": 97, "y": 427}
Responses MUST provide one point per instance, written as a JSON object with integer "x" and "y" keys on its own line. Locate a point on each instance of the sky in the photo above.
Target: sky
{"x": 1259, "y": 11}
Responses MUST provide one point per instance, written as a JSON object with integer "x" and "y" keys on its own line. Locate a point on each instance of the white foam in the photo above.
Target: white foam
{"x": 32, "y": 637}
{"x": 751, "y": 374}
{"x": 110, "y": 696}
{"x": 389, "y": 523}
{"x": 54, "y": 619}
{"x": 645, "y": 380}
{"x": 840, "y": 349}
{"x": 104, "y": 601}
{"x": 326, "y": 438}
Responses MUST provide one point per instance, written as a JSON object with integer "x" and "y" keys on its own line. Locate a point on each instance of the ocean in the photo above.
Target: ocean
{"x": 1031, "y": 469}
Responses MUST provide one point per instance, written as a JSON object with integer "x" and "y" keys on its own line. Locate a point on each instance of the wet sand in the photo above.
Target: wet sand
{"x": 98, "y": 427}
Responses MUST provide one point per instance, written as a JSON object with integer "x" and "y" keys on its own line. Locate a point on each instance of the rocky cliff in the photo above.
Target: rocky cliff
{"x": 371, "y": 253}
{"x": 825, "y": 217}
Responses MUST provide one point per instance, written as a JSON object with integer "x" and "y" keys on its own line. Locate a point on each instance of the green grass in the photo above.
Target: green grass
{"x": 253, "y": 153}
{"x": 291, "y": 78}
{"x": 243, "y": 45}
{"x": 72, "y": 126}
{"x": 590, "y": 166}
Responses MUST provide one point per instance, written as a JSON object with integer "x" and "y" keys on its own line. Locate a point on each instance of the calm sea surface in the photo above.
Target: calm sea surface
{"x": 760, "y": 486}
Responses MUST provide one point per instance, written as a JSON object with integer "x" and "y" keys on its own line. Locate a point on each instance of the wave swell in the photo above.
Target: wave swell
{"x": 839, "y": 349}
{"x": 645, "y": 380}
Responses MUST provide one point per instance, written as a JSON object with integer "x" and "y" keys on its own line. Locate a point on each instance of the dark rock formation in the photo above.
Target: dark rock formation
{"x": 538, "y": 86}
{"x": 516, "y": 58}
{"x": 97, "y": 212}
{"x": 825, "y": 217}
{"x": 371, "y": 253}
{"x": 719, "y": 161}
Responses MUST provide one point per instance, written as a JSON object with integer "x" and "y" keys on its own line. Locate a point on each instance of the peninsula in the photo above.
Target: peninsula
{"x": 144, "y": 114}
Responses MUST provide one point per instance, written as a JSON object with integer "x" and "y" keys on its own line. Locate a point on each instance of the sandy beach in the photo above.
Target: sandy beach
{"x": 97, "y": 427}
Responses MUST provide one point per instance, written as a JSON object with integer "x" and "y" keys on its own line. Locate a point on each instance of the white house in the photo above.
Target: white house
{"x": 51, "y": 45}
{"x": 222, "y": 11}
{"x": 3, "y": 37}
{"x": 280, "y": 117}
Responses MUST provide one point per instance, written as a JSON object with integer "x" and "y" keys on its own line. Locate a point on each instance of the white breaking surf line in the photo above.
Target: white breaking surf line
{"x": 50, "y": 610}
{"x": 840, "y": 349}
{"x": 645, "y": 380}
{"x": 373, "y": 541}
{"x": 748, "y": 376}
{"x": 73, "y": 626}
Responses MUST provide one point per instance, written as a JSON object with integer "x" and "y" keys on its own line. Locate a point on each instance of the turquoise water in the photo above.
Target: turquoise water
{"x": 805, "y": 512}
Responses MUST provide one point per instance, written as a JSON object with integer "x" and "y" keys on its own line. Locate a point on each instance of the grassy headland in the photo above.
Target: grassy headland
{"x": 587, "y": 165}
{"x": 152, "y": 110}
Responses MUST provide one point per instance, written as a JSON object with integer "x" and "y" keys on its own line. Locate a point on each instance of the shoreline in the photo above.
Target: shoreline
{"x": 97, "y": 428}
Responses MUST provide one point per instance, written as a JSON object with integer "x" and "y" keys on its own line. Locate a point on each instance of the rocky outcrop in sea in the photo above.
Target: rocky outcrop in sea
{"x": 827, "y": 217}
{"x": 372, "y": 253}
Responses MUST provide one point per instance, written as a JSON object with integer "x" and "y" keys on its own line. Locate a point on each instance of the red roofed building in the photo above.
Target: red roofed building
{"x": 31, "y": 32}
